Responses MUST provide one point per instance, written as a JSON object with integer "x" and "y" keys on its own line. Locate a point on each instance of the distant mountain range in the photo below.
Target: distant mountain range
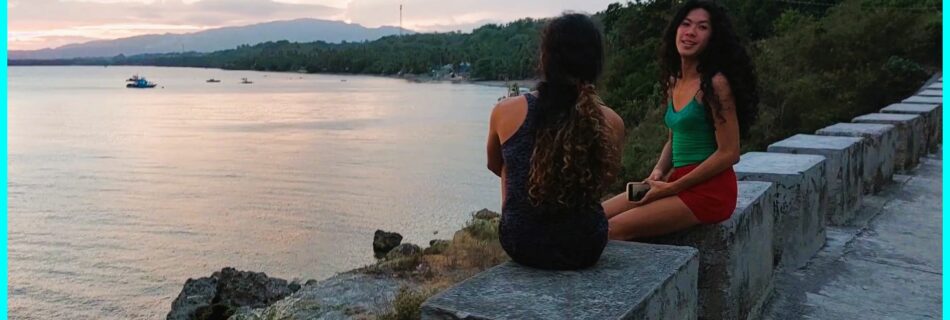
{"x": 299, "y": 30}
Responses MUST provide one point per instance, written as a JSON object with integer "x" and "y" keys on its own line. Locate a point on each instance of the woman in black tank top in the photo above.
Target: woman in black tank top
{"x": 557, "y": 161}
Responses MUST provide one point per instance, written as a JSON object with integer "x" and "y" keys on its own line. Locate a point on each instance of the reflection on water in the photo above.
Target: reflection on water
{"x": 116, "y": 195}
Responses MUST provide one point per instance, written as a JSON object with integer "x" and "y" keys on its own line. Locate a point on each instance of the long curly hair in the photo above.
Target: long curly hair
{"x": 724, "y": 54}
{"x": 574, "y": 158}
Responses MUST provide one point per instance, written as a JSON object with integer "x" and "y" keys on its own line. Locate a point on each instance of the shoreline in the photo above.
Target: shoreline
{"x": 531, "y": 83}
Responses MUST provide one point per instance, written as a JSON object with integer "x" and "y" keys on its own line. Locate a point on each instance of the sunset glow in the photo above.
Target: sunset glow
{"x": 38, "y": 24}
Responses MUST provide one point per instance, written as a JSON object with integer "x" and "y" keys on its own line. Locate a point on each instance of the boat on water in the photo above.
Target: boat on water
{"x": 245, "y": 81}
{"x": 213, "y": 80}
{"x": 138, "y": 82}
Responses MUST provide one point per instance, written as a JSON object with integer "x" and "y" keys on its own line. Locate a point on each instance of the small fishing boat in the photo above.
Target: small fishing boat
{"x": 137, "y": 82}
{"x": 213, "y": 80}
{"x": 245, "y": 81}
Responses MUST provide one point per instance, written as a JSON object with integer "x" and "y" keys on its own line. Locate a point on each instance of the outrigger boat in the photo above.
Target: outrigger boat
{"x": 213, "y": 80}
{"x": 245, "y": 81}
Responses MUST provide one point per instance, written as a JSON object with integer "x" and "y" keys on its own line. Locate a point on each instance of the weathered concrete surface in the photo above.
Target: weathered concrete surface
{"x": 880, "y": 145}
{"x": 910, "y": 135}
{"x": 844, "y": 165}
{"x": 933, "y": 119}
{"x": 936, "y": 86}
{"x": 887, "y": 268}
{"x": 931, "y": 93}
{"x": 631, "y": 281}
{"x": 735, "y": 256}
{"x": 920, "y": 99}
{"x": 800, "y": 202}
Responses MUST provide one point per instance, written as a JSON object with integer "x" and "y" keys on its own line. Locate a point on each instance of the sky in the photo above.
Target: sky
{"x": 37, "y": 24}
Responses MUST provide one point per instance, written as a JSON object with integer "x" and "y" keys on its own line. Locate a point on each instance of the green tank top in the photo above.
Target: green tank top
{"x": 694, "y": 137}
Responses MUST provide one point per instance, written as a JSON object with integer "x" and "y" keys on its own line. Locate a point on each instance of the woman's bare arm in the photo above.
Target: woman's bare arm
{"x": 665, "y": 162}
{"x": 493, "y": 146}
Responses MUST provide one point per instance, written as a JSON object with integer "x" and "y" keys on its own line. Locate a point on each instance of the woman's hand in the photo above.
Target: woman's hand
{"x": 658, "y": 190}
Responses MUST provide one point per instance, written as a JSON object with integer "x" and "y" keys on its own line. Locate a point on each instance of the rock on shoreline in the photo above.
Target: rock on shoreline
{"x": 384, "y": 241}
{"x": 344, "y": 296}
{"x": 363, "y": 293}
{"x": 221, "y": 294}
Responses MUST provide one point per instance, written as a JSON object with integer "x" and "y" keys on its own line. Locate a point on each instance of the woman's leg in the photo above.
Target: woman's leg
{"x": 617, "y": 205}
{"x": 656, "y": 218}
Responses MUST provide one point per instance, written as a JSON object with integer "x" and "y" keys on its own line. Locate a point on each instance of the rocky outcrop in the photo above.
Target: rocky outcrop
{"x": 362, "y": 293}
{"x": 344, "y": 296}
{"x": 219, "y": 296}
{"x": 384, "y": 241}
{"x": 197, "y": 293}
{"x": 486, "y": 214}
{"x": 403, "y": 250}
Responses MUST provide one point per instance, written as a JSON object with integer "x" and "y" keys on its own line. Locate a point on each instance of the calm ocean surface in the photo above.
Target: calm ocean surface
{"x": 117, "y": 196}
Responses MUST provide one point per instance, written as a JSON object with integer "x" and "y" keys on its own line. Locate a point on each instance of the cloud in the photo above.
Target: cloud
{"x": 63, "y": 36}
{"x": 34, "y": 20}
{"x": 106, "y": 19}
{"x": 424, "y": 15}
{"x": 257, "y": 8}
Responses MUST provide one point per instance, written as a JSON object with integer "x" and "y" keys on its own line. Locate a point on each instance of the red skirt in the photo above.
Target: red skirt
{"x": 713, "y": 200}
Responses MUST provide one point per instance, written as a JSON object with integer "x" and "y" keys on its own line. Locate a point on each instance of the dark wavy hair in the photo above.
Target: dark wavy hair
{"x": 574, "y": 158}
{"x": 723, "y": 54}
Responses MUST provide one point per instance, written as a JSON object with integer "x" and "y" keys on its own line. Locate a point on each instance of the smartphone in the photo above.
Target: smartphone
{"x": 636, "y": 190}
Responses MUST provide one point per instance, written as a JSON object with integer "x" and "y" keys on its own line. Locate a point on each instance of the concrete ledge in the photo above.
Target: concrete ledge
{"x": 920, "y": 99}
{"x": 931, "y": 93}
{"x": 735, "y": 256}
{"x": 799, "y": 204}
{"x": 880, "y": 145}
{"x": 911, "y": 136}
{"x": 933, "y": 119}
{"x": 936, "y": 86}
{"x": 631, "y": 281}
{"x": 844, "y": 166}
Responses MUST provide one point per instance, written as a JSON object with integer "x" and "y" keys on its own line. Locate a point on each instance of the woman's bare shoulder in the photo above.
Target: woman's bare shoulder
{"x": 612, "y": 118}
{"x": 511, "y": 102}
{"x": 506, "y": 106}
{"x": 610, "y": 114}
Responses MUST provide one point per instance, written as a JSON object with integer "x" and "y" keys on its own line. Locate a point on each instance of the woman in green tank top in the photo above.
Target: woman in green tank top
{"x": 711, "y": 96}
